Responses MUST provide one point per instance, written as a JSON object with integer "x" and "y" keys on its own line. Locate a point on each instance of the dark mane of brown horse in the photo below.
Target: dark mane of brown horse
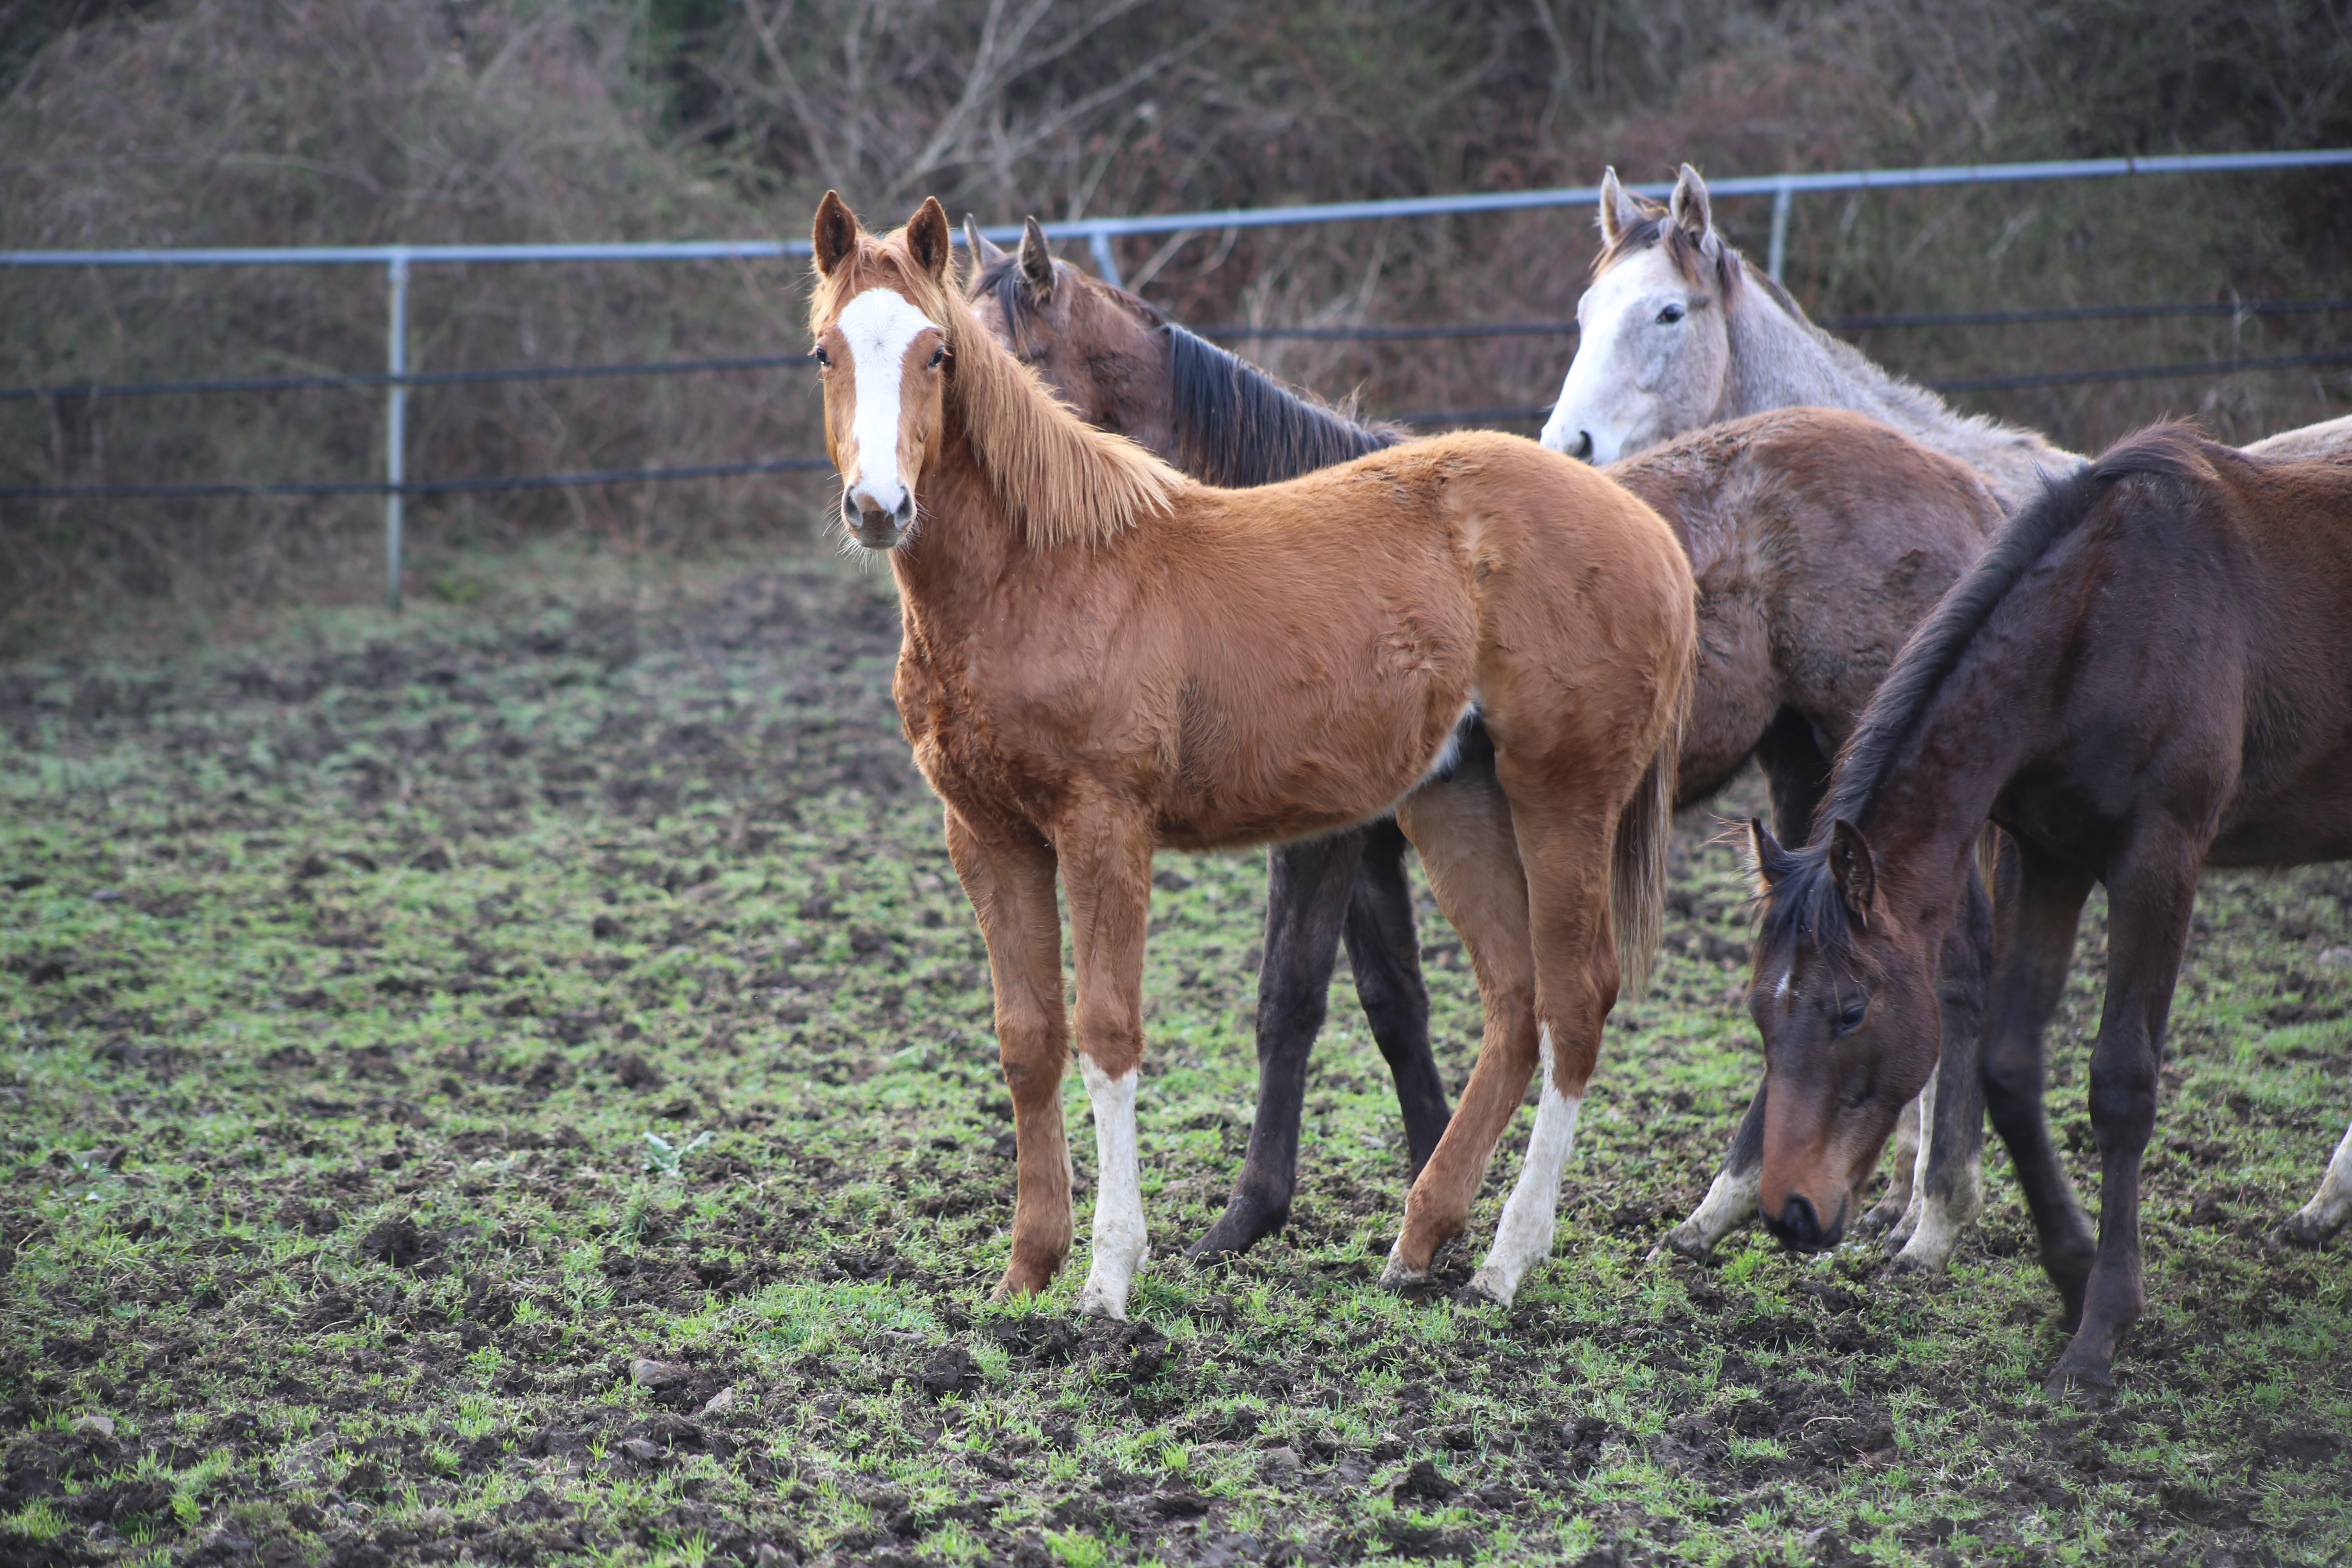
{"x": 1805, "y": 897}
{"x": 1235, "y": 425}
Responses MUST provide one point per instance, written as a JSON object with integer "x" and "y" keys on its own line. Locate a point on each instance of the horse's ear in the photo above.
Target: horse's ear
{"x": 837, "y": 232}
{"x": 985, "y": 252}
{"x": 1767, "y": 861}
{"x": 1618, "y": 213}
{"x": 927, "y": 238}
{"x": 1688, "y": 204}
{"x": 1037, "y": 261}
{"x": 1851, "y": 867}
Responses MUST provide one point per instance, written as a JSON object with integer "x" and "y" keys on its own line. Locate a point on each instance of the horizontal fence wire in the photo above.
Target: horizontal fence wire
{"x": 371, "y": 381}
{"x": 417, "y": 486}
{"x": 365, "y": 381}
{"x": 1501, "y": 414}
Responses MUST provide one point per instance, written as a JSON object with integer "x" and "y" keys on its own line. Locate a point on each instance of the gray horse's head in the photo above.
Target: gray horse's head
{"x": 1653, "y": 347}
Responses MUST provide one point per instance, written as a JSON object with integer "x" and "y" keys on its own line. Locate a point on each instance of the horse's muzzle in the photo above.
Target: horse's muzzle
{"x": 1801, "y": 1230}
{"x": 874, "y": 528}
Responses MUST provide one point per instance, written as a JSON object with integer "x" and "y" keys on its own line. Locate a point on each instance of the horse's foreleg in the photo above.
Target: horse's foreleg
{"x": 2329, "y": 1207}
{"x": 1463, "y": 829}
{"x": 1949, "y": 1188}
{"x": 1105, "y": 857}
{"x": 2035, "y": 915}
{"x": 1384, "y": 951}
{"x": 1797, "y": 772}
{"x": 1306, "y": 894}
{"x": 2148, "y": 907}
{"x": 1008, "y": 874}
{"x": 1730, "y": 1200}
{"x": 1898, "y": 1207}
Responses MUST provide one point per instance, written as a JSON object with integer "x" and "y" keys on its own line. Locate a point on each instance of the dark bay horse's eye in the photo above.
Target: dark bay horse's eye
{"x": 1851, "y": 1013}
{"x": 1670, "y": 315}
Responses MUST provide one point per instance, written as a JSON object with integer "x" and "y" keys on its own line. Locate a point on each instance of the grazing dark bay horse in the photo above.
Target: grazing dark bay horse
{"x": 1819, "y": 539}
{"x": 1102, "y": 657}
{"x": 2151, "y": 671}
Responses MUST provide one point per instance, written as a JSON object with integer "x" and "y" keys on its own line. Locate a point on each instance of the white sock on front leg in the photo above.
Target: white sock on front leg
{"x": 1120, "y": 1245}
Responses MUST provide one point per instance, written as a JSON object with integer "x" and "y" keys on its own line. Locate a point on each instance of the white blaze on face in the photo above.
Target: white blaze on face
{"x": 879, "y": 326}
{"x": 1615, "y": 395}
{"x": 1119, "y": 1241}
{"x": 1524, "y": 1239}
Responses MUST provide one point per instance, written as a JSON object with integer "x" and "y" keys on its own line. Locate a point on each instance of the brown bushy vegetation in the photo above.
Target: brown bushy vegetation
{"x": 344, "y": 121}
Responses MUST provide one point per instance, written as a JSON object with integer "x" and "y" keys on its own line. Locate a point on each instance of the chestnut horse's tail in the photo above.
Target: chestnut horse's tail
{"x": 1637, "y": 879}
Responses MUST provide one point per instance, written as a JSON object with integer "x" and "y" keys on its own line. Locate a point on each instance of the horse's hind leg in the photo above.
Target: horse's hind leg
{"x": 1008, "y": 875}
{"x": 1464, "y": 832}
{"x": 2329, "y": 1207}
{"x": 1308, "y": 887}
{"x": 1950, "y": 1188}
{"x": 1384, "y": 951}
{"x": 1564, "y": 842}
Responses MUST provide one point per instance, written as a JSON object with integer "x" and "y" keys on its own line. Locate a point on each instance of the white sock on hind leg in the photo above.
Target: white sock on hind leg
{"x": 1524, "y": 1239}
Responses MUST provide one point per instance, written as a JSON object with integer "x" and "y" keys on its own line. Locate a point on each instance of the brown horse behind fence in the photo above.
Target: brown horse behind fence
{"x": 2151, "y": 671}
{"x": 1102, "y": 656}
{"x": 1819, "y": 538}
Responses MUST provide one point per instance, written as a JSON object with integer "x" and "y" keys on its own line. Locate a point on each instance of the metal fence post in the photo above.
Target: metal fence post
{"x": 395, "y": 424}
{"x": 1106, "y": 264}
{"x": 1779, "y": 251}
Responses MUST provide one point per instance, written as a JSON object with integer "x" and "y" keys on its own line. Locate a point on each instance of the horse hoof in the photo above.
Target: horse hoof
{"x": 2297, "y": 1231}
{"x": 1683, "y": 1242}
{"x": 2083, "y": 1385}
{"x": 1876, "y": 1219}
{"x": 1096, "y": 1302}
{"x": 1234, "y": 1233}
{"x": 1905, "y": 1264}
{"x": 1487, "y": 1289}
{"x": 1402, "y": 1278}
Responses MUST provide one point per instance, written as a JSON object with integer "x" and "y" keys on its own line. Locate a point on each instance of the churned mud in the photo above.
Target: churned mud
{"x": 516, "y": 1087}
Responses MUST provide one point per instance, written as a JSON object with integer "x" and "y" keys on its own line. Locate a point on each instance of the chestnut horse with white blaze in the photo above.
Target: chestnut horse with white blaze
{"x": 1102, "y": 657}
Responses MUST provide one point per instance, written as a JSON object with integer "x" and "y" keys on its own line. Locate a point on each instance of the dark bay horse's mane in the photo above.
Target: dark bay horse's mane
{"x": 1235, "y": 425}
{"x": 1238, "y": 426}
{"x": 1804, "y": 897}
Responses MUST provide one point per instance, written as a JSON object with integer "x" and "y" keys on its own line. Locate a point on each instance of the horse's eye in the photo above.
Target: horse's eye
{"x": 938, "y": 356}
{"x": 1670, "y": 315}
{"x": 1850, "y": 1014}
{"x": 824, "y": 359}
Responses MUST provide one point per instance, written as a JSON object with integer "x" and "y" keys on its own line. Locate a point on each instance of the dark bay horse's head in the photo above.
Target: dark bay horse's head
{"x": 1098, "y": 348}
{"x": 1844, "y": 994}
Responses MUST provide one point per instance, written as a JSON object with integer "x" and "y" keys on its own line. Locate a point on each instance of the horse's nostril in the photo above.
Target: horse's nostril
{"x": 1584, "y": 447}
{"x": 849, "y": 507}
{"x": 1800, "y": 1226}
{"x": 905, "y": 511}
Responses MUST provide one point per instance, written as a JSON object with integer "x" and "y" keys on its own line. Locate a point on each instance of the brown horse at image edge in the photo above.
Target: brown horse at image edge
{"x": 1102, "y": 657}
{"x": 2150, "y": 672}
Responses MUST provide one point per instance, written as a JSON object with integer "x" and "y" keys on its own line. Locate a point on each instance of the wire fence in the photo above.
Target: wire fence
{"x": 396, "y": 380}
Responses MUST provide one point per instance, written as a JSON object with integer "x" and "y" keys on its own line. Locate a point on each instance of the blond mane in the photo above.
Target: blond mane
{"x": 1060, "y": 480}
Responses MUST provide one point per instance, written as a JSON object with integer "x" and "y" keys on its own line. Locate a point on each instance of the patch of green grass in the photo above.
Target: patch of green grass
{"x": 528, "y": 1086}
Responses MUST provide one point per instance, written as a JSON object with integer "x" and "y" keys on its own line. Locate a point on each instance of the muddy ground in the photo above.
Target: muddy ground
{"x": 515, "y": 1087}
